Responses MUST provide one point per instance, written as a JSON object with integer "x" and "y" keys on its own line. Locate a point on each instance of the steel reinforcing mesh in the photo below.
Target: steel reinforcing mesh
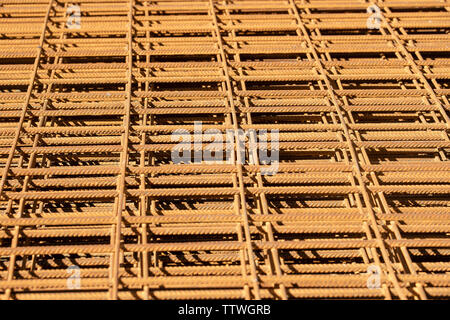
{"x": 93, "y": 206}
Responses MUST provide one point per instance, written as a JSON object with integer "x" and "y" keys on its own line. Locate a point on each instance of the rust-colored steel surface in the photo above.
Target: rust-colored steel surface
{"x": 93, "y": 205}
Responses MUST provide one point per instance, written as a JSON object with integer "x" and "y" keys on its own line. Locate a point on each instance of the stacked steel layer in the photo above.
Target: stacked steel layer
{"x": 92, "y": 205}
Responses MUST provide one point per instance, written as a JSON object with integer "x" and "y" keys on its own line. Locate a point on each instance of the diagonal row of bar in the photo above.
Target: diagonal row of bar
{"x": 339, "y": 187}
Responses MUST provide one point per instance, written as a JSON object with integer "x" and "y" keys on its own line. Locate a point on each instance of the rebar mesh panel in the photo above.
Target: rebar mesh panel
{"x": 87, "y": 116}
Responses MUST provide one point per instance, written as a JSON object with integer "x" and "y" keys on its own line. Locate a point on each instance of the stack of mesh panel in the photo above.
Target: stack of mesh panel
{"x": 93, "y": 205}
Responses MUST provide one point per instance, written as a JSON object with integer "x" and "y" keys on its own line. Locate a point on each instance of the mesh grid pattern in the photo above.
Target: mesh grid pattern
{"x": 87, "y": 177}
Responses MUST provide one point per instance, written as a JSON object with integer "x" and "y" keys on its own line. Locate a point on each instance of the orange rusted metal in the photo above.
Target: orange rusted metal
{"x": 92, "y": 205}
